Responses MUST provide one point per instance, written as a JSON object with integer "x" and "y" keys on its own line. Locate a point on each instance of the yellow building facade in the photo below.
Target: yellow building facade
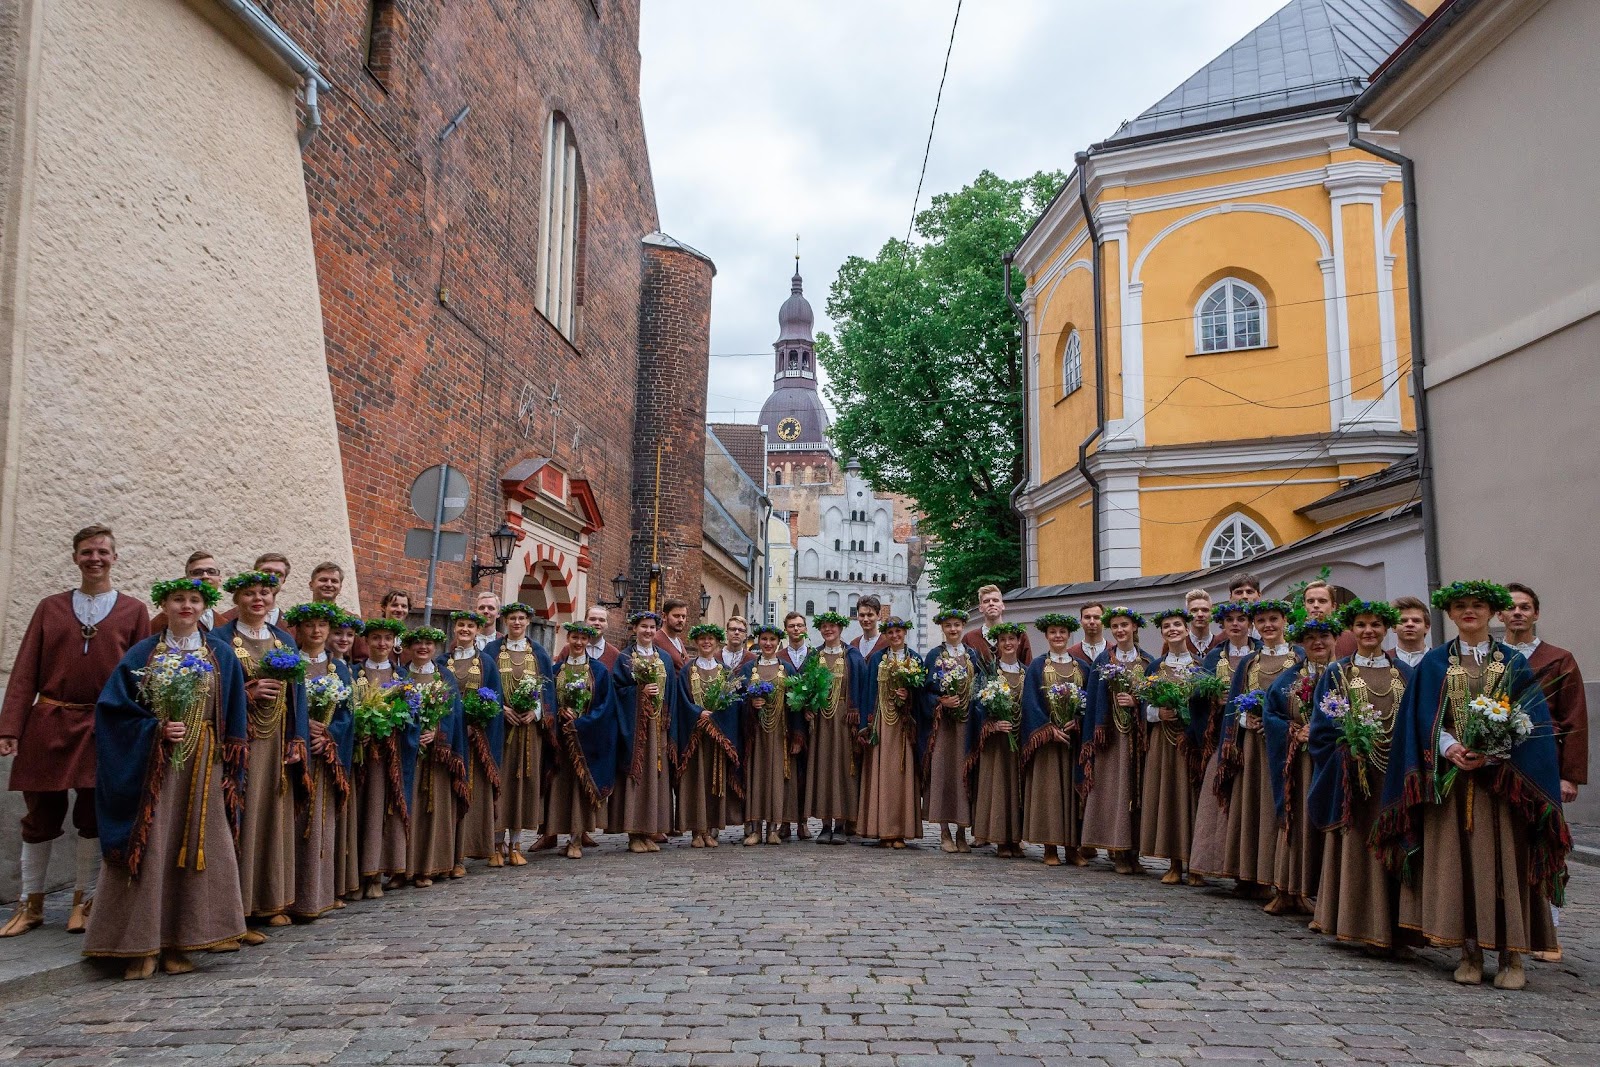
{"x": 1252, "y": 336}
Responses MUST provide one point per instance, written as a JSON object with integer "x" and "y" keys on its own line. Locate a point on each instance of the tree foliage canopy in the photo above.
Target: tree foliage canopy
{"x": 925, "y": 375}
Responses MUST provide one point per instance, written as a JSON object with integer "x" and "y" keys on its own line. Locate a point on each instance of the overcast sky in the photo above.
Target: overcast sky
{"x": 766, "y": 120}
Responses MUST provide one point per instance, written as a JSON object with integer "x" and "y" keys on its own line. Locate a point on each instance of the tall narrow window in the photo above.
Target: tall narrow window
{"x": 560, "y": 262}
{"x": 1235, "y": 540}
{"x": 811, "y": 607}
{"x": 383, "y": 23}
{"x": 1072, "y": 365}
{"x": 1230, "y": 316}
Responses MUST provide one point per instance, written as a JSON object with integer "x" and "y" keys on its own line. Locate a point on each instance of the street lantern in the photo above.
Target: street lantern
{"x": 504, "y": 541}
{"x": 619, "y": 586}
{"x": 705, "y": 601}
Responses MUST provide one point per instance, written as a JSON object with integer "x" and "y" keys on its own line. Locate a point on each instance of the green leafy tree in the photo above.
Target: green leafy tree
{"x": 925, "y": 375}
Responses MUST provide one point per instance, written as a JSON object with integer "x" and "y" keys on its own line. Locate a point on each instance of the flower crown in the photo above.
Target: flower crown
{"x": 1229, "y": 607}
{"x": 1379, "y": 609}
{"x": 392, "y": 626}
{"x": 317, "y": 609}
{"x": 581, "y": 628}
{"x": 1003, "y": 629}
{"x": 1302, "y": 630}
{"x": 468, "y": 616}
{"x": 1126, "y": 613}
{"x": 640, "y": 616}
{"x": 423, "y": 633}
{"x": 707, "y": 629}
{"x": 1262, "y": 607}
{"x": 161, "y": 590}
{"x": 516, "y": 606}
{"x": 949, "y": 613}
{"x": 250, "y": 578}
{"x": 1056, "y": 618}
{"x": 767, "y": 628}
{"x": 830, "y": 616}
{"x": 350, "y": 621}
{"x": 894, "y": 622}
{"x": 1172, "y": 613}
{"x": 1497, "y": 596}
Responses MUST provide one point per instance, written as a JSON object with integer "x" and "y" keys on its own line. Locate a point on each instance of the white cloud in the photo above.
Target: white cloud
{"x": 768, "y": 120}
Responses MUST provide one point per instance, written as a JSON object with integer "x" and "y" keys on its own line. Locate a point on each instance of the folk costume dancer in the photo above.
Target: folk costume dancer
{"x": 1233, "y": 645}
{"x": 1411, "y": 636}
{"x": 1054, "y": 699}
{"x": 706, "y": 731}
{"x": 71, "y": 646}
{"x": 278, "y": 733}
{"x": 527, "y": 679}
{"x": 1562, "y": 683}
{"x": 203, "y": 565}
{"x": 1357, "y": 900}
{"x": 891, "y": 810}
{"x": 1244, "y": 778}
{"x": 736, "y": 652}
{"x": 170, "y": 734}
{"x": 386, "y": 772}
{"x": 873, "y": 638}
{"x": 953, "y": 682}
{"x": 1112, "y": 754}
{"x": 483, "y": 706}
{"x": 1287, "y": 725}
{"x": 330, "y": 744}
{"x": 833, "y": 774}
{"x": 1317, "y": 599}
{"x": 1172, "y": 764}
{"x": 586, "y": 741}
{"x": 993, "y": 773}
{"x": 772, "y": 741}
{"x": 440, "y": 799}
{"x": 981, "y": 641}
{"x": 1197, "y": 602}
{"x": 795, "y": 653}
{"x": 1091, "y": 617}
{"x": 599, "y": 616}
{"x": 348, "y": 883}
{"x": 671, "y": 636}
{"x": 1484, "y": 850}
{"x": 645, "y": 689}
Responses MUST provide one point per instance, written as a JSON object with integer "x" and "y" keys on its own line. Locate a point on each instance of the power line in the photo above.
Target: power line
{"x": 928, "y": 148}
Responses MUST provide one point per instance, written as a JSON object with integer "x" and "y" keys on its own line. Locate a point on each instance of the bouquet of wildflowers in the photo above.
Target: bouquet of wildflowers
{"x": 481, "y": 705}
{"x": 1359, "y": 728}
{"x": 1065, "y": 701}
{"x": 1120, "y": 677}
{"x": 324, "y": 695}
{"x": 953, "y": 679}
{"x": 573, "y": 692}
{"x": 909, "y": 673}
{"x": 1208, "y": 687}
{"x": 282, "y": 664}
{"x": 175, "y": 684}
{"x": 377, "y": 715}
{"x": 1249, "y": 705}
{"x": 811, "y": 689}
{"x": 1491, "y": 726}
{"x": 999, "y": 704}
{"x": 526, "y": 697}
{"x": 649, "y": 670}
{"x": 1172, "y": 693}
{"x": 721, "y": 693}
{"x": 420, "y": 700}
{"x": 761, "y": 689}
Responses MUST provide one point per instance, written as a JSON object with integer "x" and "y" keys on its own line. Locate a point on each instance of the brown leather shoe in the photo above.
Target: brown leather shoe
{"x": 78, "y": 920}
{"x": 516, "y": 859}
{"x": 28, "y": 916}
{"x": 496, "y": 860}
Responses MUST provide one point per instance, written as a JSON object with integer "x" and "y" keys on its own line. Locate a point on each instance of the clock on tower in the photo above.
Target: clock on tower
{"x": 789, "y": 428}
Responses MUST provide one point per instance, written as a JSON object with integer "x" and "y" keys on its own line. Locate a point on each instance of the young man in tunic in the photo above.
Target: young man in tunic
{"x": 871, "y": 640}
{"x": 169, "y": 782}
{"x": 891, "y": 811}
{"x": 1087, "y": 650}
{"x": 953, "y": 680}
{"x": 644, "y": 687}
{"x": 992, "y": 607}
{"x": 598, "y": 616}
{"x": 1287, "y": 723}
{"x": 736, "y": 649}
{"x": 326, "y": 582}
{"x": 670, "y": 638}
{"x": 1054, "y": 698}
{"x": 1479, "y": 836}
{"x": 1411, "y": 636}
{"x": 993, "y": 772}
{"x": 72, "y": 644}
{"x": 487, "y": 606}
{"x": 1244, "y": 777}
{"x": 586, "y": 729}
{"x": 832, "y": 770}
{"x": 1234, "y": 643}
{"x": 386, "y": 774}
{"x": 772, "y": 734}
{"x": 527, "y": 680}
{"x": 1562, "y": 683}
{"x": 478, "y": 678}
{"x": 440, "y": 800}
{"x": 795, "y": 652}
{"x": 1172, "y": 761}
{"x": 278, "y": 732}
{"x": 1357, "y": 900}
{"x": 1197, "y": 602}
{"x": 330, "y": 720}
{"x": 1113, "y": 743}
{"x": 706, "y": 729}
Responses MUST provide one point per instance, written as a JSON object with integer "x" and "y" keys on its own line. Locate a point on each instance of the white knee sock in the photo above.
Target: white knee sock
{"x": 88, "y": 865}
{"x": 35, "y": 866}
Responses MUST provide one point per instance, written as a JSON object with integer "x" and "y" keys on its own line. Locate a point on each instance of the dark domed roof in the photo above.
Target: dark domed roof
{"x": 805, "y": 407}
{"x": 795, "y": 318}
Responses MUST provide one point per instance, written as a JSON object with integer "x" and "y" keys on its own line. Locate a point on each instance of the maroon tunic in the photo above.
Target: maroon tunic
{"x": 55, "y": 736}
{"x": 665, "y": 647}
{"x": 1558, "y": 676}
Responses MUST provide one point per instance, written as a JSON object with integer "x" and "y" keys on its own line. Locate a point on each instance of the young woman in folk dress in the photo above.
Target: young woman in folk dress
{"x": 1167, "y": 803}
{"x": 386, "y": 770}
{"x": 331, "y": 721}
{"x": 524, "y": 666}
{"x": 1113, "y": 743}
{"x": 993, "y": 768}
{"x": 347, "y": 881}
{"x": 891, "y": 811}
{"x": 953, "y": 680}
{"x": 479, "y": 835}
{"x": 772, "y": 739}
{"x": 440, "y": 797}
{"x": 1288, "y": 729}
{"x": 1054, "y": 698}
{"x": 709, "y": 786}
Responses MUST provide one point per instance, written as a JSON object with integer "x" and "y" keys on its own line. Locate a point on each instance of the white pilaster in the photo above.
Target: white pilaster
{"x": 1120, "y": 551}
{"x": 1361, "y": 183}
{"x": 1113, "y": 217}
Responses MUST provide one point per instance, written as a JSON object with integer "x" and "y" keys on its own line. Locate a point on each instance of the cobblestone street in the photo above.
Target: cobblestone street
{"x": 802, "y": 955}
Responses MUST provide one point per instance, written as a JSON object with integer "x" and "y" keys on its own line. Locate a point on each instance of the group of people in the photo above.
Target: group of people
{"x": 236, "y": 771}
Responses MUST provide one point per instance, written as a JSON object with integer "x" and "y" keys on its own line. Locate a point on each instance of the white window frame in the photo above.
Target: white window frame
{"x": 556, "y": 295}
{"x": 1072, "y": 365}
{"x": 1227, "y": 304}
{"x": 1238, "y": 525}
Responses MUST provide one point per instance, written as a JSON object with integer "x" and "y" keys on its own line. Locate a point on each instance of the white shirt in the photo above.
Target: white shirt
{"x": 516, "y": 644}
{"x": 956, "y": 651}
{"x": 92, "y": 608}
{"x": 1182, "y": 659}
{"x": 1529, "y": 648}
{"x": 1478, "y": 652}
{"x": 321, "y": 657}
{"x": 261, "y": 633}
{"x": 464, "y": 653}
{"x": 706, "y": 664}
{"x": 1011, "y": 668}
{"x": 191, "y": 643}
{"x": 274, "y": 615}
{"x": 1124, "y": 657}
{"x": 647, "y": 651}
{"x": 1239, "y": 651}
{"x": 797, "y": 656}
{"x": 762, "y": 661}
{"x": 1276, "y": 650}
{"x": 833, "y": 650}
{"x": 208, "y": 618}
{"x": 1410, "y": 659}
{"x": 1061, "y": 659}
{"x": 427, "y": 668}
{"x": 675, "y": 643}
{"x": 731, "y": 657}
{"x": 1092, "y": 652}
{"x": 1370, "y": 661}
{"x": 598, "y": 649}
{"x": 481, "y": 642}
{"x": 371, "y": 666}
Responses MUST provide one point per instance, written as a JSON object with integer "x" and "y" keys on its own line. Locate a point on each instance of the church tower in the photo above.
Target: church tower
{"x": 796, "y": 422}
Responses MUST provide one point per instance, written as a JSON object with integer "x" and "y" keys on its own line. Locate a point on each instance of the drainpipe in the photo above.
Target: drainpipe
{"x": 1023, "y": 376}
{"x": 1419, "y": 362}
{"x": 280, "y": 44}
{"x": 1082, "y": 160}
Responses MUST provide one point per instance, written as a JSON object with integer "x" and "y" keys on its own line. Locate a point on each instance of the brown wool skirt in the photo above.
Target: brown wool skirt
{"x": 568, "y": 810}
{"x": 1050, "y": 813}
{"x": 1166, "y": 808}
{"x": 1110, "y": 816}
{"x": 385, "y": 844}
{"x": 706, "y": 800}
{"x": 521, "y": 804}
{"x": 347, "y": 844}
{"x": 481, "y": 824}
{"x": 947, "y": 798}
{"x": 997, "y": 807}
{"x": 1357, "y": 900}
{"x": 890, "y": 809}
{"x": 647, "y": 803}
{"x": 1209, "y": 842}
{"x": 1250, "y": 847}
{"x": 1297, "y": 866}
{"x": 433, "y": 821}
{"x": 832, "y": 774}
{"x": 771, "y": 777}
{"x": 316, "y": 846}
{"x": 267, "y": 836}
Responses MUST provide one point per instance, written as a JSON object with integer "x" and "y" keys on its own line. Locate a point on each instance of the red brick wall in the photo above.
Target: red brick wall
{"x": 674, "y": 347}
{"x": 397, "y": 217}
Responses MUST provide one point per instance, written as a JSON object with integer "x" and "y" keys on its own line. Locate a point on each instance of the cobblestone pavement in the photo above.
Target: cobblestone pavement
{"x": 809, "y": 955}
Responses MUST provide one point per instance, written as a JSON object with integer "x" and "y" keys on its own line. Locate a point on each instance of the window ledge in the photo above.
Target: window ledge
{"x": 1230, "y": 351}
{"x": 1063, "y": 399}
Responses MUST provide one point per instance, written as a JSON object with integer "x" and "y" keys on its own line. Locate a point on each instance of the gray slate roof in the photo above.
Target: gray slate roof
{"x": 1310, "y": 55}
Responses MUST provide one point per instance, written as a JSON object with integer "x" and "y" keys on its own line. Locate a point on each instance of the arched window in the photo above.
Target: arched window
{"x": 1236, "y": 539}
{"x": 811, "y": 607}
{"x": 383, "y": 24}
{"x": 877, "y": 546}
{"x": 854, "y": 599}
{"x": 833, "y": 601}
{"x": 560, "y": 262}
{"x": 1230, "y": 316}
{"x": 836, "y": 542}
{"x": 1072, "y": 364}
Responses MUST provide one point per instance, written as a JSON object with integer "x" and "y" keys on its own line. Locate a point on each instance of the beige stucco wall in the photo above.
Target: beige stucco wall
{"x": 165, "y": 369}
